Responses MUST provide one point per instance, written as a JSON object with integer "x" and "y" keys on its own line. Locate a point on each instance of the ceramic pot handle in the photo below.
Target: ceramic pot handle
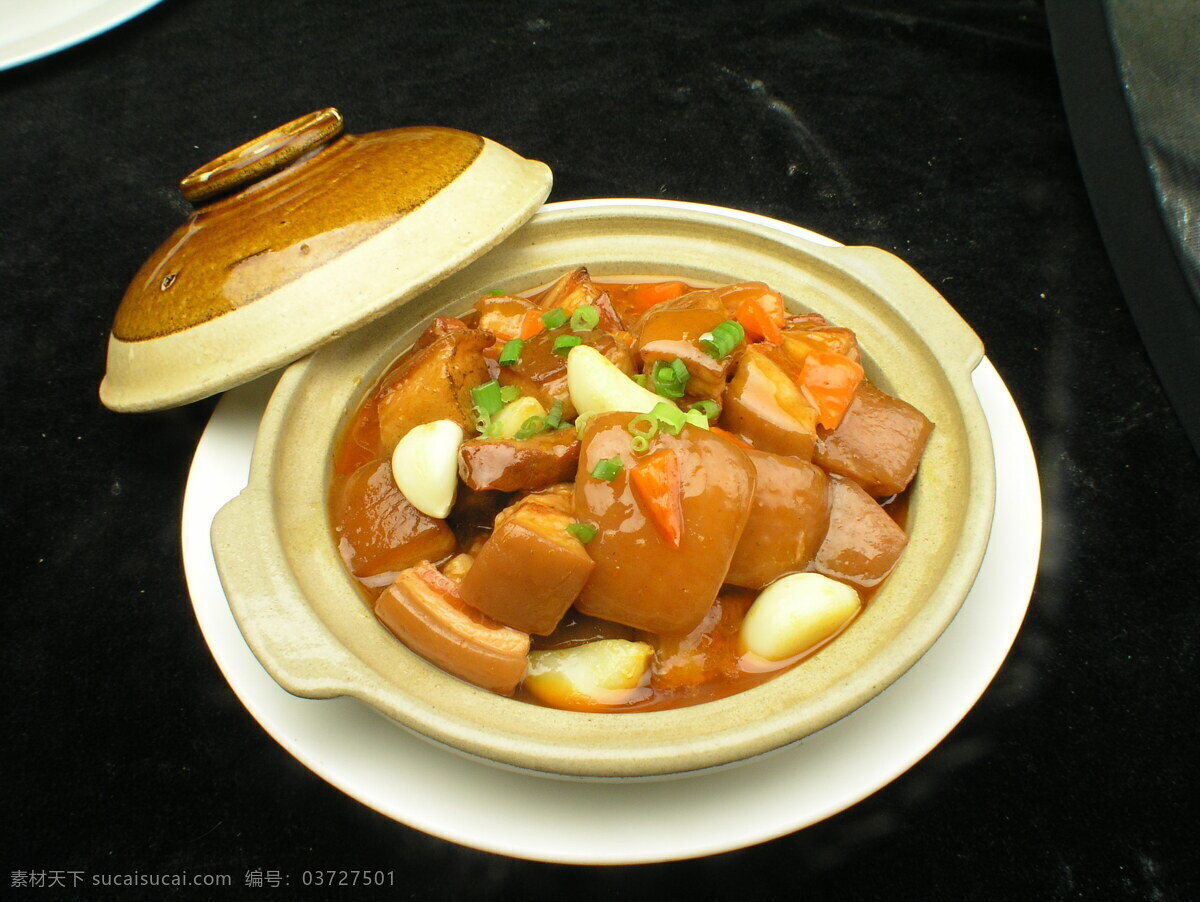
{"x": 262, "y": 156}
{"x": 294, "y": 646}
{"x": 946, "y": 333}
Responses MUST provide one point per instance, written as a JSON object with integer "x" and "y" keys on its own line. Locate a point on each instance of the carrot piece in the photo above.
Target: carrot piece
{"x": 644, "y": 295}
{"x": 655, "y": 482}
{"x": 532, "y": 324}
{"x": 828, "y": 381}
{"x": 724, "y": 433}
{"x": 762, "y": 317}
{"x": 772, "y": 304}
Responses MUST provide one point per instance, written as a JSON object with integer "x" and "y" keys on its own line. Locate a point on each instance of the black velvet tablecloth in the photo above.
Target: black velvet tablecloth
{"x": 935, "y": 130}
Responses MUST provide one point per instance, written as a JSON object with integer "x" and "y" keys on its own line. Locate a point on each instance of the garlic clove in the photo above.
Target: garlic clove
{"x": 507, "y": 423}
{"x": 425, "y": 466}
{"x": 584, "y": 677}
{"x": 597, "y": 385}
{"x": 796, "y": 613}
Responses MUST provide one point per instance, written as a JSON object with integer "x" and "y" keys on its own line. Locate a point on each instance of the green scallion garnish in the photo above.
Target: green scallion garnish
{"x": 670, "y": 379}
{"x": 721, "y": 341}
{"x": 554, "y": 417}
{"x": 639, "y": 444}
{"x": 584, "y": 532}
{"x": 487, "y": 398}
{"x": 497, "y": 293}
{"x": 644, "y": 425}
{"x": 511, "y": 352}
{"x": 607, "y": 469}
{"x": 555, "y": 318}
{"x": 670, "y": 418}
{"x": 530, "y": 428}
{"x": 585, "y": 318}
{"x": 711, "y": 409}
{"x": 564, "y": 343}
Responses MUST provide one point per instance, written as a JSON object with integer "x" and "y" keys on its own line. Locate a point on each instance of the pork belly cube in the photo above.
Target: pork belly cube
{"x": 863, "y": 544}
{"x": 576, "y": 289}
{"x": 379, "y": 530}
{"x": 788, "y": 520}
{"x": 424, "y": 609}
{"x": 764, "y": 405}
{"x": 561, "y": 497}
{"x": 442, "y": 325}
{"x": 530, "y": 571}
{"x": 503, "y": 316}
{"x": 519, "y": 465}
{"x": 878, "y": 444}
{"x": 434, "y": 383}
{"x": 640, "y": 580}
{"x": 673, "y": 329}
{"x": 810, "y": 332}
{"x": 731, "y": 297}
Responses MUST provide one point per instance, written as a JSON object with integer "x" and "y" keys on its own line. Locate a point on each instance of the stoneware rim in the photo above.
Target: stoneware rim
{"x": 305, "y": 621}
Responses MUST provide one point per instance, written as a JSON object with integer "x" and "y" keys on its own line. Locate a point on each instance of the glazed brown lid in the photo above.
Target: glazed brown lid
{"x": 300, "y": 236}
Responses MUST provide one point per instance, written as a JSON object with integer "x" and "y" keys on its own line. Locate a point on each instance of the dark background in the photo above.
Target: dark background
{"x": 935, "y": 130}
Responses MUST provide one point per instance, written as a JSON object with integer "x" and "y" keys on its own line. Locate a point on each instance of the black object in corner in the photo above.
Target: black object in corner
{"x": 1101, "y": 52}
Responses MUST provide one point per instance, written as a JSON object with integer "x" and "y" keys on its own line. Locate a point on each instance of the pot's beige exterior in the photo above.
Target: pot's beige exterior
{"x": 308, "y": 625}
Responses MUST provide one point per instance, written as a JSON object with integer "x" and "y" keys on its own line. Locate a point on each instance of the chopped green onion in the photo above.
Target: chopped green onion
{"x": 670, "y": 379}
{"x": 497, "y": 293}
{"x": 696, "y": 418}
{"x": 530, "y": 428}
{"x": 584, "y": 532}
{"x": 639, "y": 444}
{"x": 564, "y": 343}
{"x": 607, "y": 469}
{"x": 711, "y": 409}
{"x": 554, "y": 417}
{"x": 670, "y": 418}
{"x": 644, "y": 426}
{"x": 487, "y": 398}
{"x": 509, "y": 393}
{"x": 581, "y": 423}
{"x": 553, "y": 319}
{"x": 511, "y": 352}
{"x": 492, "y": 430}
{"x": 482, "y": 421}
{"x": 721, "y": 341}
{"x": 640, "y": 379}
{"x": 585, "y": 318}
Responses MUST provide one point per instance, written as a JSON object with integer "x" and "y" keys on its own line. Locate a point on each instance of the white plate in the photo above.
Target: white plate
{"x": 475, "y": 804}
{"x": 32, "y": 30}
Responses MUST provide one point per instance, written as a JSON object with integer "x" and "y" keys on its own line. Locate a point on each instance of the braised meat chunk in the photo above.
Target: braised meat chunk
{"x": 519, "y": 465}
{"x": 433, "y": 384}
{"x": 878, "y": 443}
{"x": 530, "y": 570}
{"x": 639, "y": 580}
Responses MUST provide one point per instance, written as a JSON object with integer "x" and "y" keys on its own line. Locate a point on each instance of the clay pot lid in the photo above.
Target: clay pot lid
{"x": 300, "y": 236}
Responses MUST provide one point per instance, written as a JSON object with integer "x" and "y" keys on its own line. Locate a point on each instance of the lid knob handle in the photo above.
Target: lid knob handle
{"x": 262, "y": 156}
